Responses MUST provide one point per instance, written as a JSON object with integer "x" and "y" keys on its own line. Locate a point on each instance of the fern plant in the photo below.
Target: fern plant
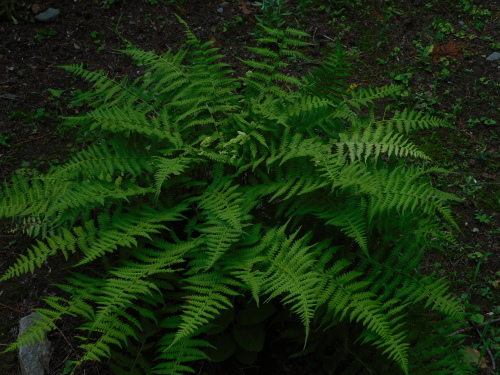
{"x": 204, "y": 189}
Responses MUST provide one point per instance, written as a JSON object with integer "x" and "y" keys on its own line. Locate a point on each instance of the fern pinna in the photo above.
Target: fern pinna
{"x": 204, "y": 189}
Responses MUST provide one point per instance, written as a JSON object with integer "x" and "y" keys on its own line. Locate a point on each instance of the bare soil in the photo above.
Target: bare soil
{"x": 387, "y": 42}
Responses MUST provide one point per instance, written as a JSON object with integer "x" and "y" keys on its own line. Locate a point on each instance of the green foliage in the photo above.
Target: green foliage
{"x": 8, "y": 8}
{"x": 108, "y": 3}
{"x": 273, "y": 12}
{"x": 4, "y": 140}
{"x": 204, "y": 189}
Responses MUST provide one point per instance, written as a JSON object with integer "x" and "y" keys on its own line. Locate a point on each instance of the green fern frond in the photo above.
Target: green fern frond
{"x": 93, "y": 193}
{"x": 294, "y": 146}
{"x": 290, "y": 273}
{"x": 25, "y": 196}
{"x": 347, "y": 297}
{"x": 133, "y": 358}
{"x": 107, "y": 90}
{"x": 402, "y": 193}
{"x": 117, "y": 120}
{"x": 48, "y": 318}
{"x": 259, "y": 65}
{"x": 124, "y": 230}
{"x": 367, "y": 96}
{"x": 115, "y": 296}
{"x": 346, "y": 116}
{"x": 326, "y": 81}
{"x": 178, "y": 355}
{"x": 294, "y": 32}
{"x": 392, "y": 264}
{"x": 408, "y": 120}
{"x": 169, "y": 63}
{"x": 435, "y": 291}
{"x": 266, "y": 52}
{"x": 103, "y": 159}
{"x": 253, "y": 256}
{"x": 434, "y": 350}
{"x": 372, "y": 142}
{"x": 305, "y": 103}
{"x": 394, "y": 277}
{"x": 114, "y": 332}
{"x": 211, "y": 296}
{"x": 155, "y": 261}
{"x": 222, "y": 199}
{"x": 37, "y": 332}
{"x": 166, "y": 167}
{"x": 269, "y": 75}
{"x": 351, "y": 218}
{"x": 39, "y": 253}
{"x": 218, "y": 240}
{"x": 292, "y": 187}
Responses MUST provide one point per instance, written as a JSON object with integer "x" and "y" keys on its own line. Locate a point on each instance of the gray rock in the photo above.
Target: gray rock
{"x": 48, "y": 16}
{"x": 220, "y": 10}
{"x": 494, "y": 56}
{"x": 34, "y": 359}
{"x": 8, "y": 96}
{"x": 224, "y": 4}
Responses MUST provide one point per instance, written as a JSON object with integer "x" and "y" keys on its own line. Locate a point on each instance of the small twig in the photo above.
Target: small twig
{"x": 309, "y": 63}
{"x": 32, "y": 139}
{"x": 201, "y": 368}
{"x": 69, "y": 343}
{"x": 470, "y": 327}
{"x": 63, "y": 363}
{"x": 11, "y": 308}
{"x": 314, "y": 35}
{"x": 327, "y": 37}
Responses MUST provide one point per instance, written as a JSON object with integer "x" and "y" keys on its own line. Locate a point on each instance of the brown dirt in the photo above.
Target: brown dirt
{"x": 384, "y": 41}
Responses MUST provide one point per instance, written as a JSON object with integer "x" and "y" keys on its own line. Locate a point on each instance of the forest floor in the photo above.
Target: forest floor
{"x": 440, "y": 50}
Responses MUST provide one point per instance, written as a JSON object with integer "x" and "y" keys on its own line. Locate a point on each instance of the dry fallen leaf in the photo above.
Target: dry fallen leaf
{"x": 216, "y": 43}
{"x": 448, "y": 50}
{"x": 472, "y": 355}
{"x": 244, "y": 7}
{"x": 35, "y": 8}
{"x": 495, "y": 283}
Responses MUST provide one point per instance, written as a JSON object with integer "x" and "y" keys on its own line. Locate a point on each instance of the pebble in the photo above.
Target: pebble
{"x": 220, "y": 10}
{"x": 8, "y": 96}
{"x": 48, "y": 16}
{"x": 494, "y": 56}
